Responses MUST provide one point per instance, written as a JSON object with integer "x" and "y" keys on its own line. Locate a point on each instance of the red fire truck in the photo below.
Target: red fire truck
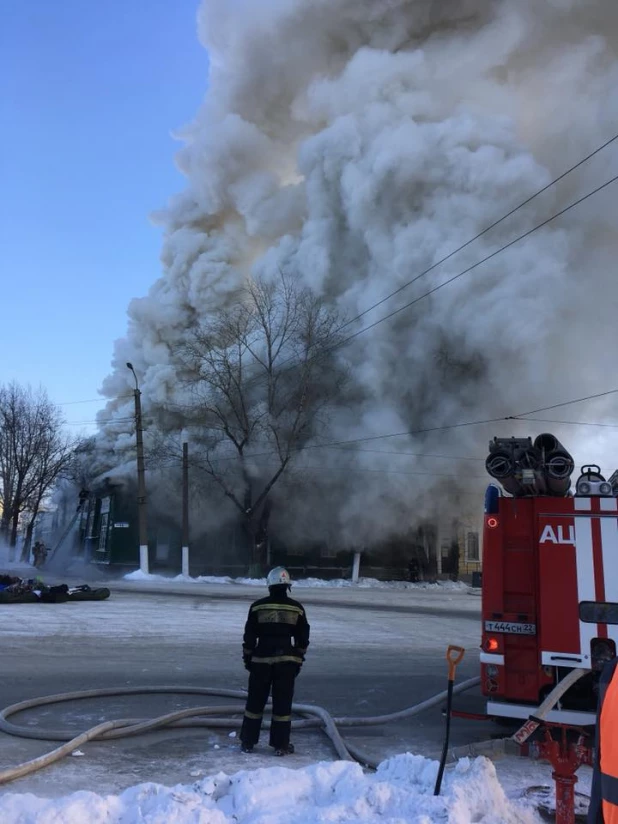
{"x": 550, "y": 579}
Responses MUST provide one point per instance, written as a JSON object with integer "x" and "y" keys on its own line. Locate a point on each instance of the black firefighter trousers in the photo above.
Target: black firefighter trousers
{"x": 262, "y": 677}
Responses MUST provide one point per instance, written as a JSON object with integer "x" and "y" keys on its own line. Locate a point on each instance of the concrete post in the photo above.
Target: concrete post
{"x": 356, "y": 566}
{"x": 185, "y": 509}
{"x": 141, "y": 487}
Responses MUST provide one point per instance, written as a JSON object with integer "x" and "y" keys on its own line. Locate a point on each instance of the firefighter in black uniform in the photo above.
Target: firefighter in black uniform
{"x": 274, "y": 646}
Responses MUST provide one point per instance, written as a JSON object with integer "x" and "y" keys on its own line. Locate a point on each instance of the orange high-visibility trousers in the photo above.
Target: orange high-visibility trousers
{"x": 609, "y": 752}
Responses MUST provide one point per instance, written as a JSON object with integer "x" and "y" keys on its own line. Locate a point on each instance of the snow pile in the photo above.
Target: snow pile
{"x": 401, "y": 792}
{"x": 317, "y": 583}
{"x": 374, "y": 583}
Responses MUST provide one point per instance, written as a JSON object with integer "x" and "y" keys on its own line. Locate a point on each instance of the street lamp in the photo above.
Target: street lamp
{"x": 141, "y": 478}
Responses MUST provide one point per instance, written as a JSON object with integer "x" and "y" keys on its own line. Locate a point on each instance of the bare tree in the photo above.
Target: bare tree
{"x": 33, "y": 452}
{"x": 8, "y": 472}
{"x": 263, "y": 374}
{"x": 85, "y": 463}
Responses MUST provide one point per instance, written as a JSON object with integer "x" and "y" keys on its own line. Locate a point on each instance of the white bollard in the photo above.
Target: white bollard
{"x": 143, "y": 558}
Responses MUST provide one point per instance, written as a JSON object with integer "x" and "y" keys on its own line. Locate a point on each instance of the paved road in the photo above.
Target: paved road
{"x": 364, "y": 660}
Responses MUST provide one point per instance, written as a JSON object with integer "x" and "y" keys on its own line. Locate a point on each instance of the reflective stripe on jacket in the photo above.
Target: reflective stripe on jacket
{"x": 276, "y": 630}
{"x": 604, "y": 793}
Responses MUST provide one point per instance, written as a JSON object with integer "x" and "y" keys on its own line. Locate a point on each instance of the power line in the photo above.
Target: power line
{"x": 469, "y": 268}
{"x": 343, "y": 443}
{"x": 194, "y": 462}
{"x": 570, "y": 423}
{"x": 408, "y": 432}
{"x": 92, "y": 400}
{"x": 373, "y": 451}
{"x": 568, "y": 403}
{"x": 109, "y": 420}
{"x": 520, "y": 418}
{"x": 412, "y": 454}
{"x": 465, "y": 245}
{"x": 364, "y": 439}
{"x": 346, "y": 469}
{"x": 446, "y": 427}
{"x": 481, "y": 233}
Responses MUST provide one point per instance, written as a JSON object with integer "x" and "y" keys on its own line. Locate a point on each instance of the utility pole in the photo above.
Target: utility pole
{"x": 141, "y": 478}
{"x": 185, "y": 509}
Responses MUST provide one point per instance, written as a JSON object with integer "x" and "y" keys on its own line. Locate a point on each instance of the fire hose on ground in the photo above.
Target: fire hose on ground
{"x": 314, "y": 716}
{"x": 311, "y": 717}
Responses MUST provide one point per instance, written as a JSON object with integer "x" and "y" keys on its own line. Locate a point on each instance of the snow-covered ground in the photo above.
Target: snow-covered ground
{"x": 170, "y": 636}
{"x": 400, "y": 792}
{"x": 222, "y": 622}
{"x": 303, "y": 583}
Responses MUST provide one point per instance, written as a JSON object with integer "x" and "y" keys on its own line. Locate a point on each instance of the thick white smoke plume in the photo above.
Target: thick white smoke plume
{"x": 356, "y": 142}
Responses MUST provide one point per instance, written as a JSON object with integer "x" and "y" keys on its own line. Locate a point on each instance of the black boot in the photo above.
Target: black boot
{"x": 246, "y": 748}
{"x": 289, "y": 750}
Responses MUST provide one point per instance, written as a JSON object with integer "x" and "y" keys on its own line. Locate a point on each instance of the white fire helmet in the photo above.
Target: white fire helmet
{"x": 278, "y": 575}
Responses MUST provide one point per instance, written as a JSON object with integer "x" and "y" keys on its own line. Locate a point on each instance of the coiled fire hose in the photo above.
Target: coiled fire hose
{"x": 194, "y": 717}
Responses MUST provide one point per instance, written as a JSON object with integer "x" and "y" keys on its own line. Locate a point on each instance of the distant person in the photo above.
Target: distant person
{"x": 274, "y": 645}
{"x": 604, "y": 794}
{"x": 414, "y": 571}
{"x": 40, "y": 554}
{"x": 36, "y": 553}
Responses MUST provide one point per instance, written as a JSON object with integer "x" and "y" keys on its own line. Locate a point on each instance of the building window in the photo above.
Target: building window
{"x": 472, "y": 546}
{"x": 103, "y": 532}
{"x": 327, "y": 552}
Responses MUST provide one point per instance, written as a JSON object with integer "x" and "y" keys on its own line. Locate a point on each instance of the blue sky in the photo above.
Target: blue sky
{"x": 89, "y": 95}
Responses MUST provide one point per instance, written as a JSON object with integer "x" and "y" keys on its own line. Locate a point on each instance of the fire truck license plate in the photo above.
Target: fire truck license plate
{"x": 510, "y": 628}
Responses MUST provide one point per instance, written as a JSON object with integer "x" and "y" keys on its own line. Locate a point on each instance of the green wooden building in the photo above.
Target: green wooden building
{"x": 109, "y": 530}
